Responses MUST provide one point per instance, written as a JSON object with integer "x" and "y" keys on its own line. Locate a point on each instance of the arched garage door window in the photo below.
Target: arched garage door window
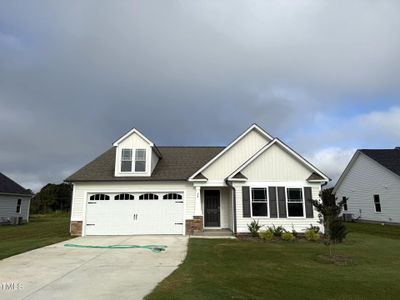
{"x": 148, "y": 196}
{"x": 124, "y": 197}
{"x": 100, "y": 197}
{"x": 172, "y": 196}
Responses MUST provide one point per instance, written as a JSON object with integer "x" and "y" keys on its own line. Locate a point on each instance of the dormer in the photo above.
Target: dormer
{"x": 135, "y": 155}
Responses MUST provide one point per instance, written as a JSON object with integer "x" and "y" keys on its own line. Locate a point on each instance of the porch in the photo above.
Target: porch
{"x": 213, "y": 215}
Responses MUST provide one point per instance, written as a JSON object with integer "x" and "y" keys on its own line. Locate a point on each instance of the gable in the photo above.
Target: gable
{"x": 276, "y": 164}
{"x": 363, "y": 172}
{"x": 235, "y": 156}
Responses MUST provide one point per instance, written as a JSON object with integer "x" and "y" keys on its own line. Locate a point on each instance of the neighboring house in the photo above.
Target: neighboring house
{"x": 371, "y": 182}
{"x": 138, "y": 188}
{"x": 14, "y": 202}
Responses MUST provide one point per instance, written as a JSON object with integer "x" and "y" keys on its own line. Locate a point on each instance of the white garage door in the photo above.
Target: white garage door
{"x": 134, "y": 213}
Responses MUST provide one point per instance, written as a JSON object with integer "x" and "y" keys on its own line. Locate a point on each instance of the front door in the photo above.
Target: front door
{"x": 212, "y": 214}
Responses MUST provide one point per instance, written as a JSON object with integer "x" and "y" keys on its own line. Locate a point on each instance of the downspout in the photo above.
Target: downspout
{"x": 234, "y": 205}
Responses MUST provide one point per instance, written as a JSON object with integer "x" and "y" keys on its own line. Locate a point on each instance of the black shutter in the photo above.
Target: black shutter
{"x": 273, "y": 210}
{"x": 282, "y": 202}
{"x": 246, "y": 202}
{"x": 309, "y": 206}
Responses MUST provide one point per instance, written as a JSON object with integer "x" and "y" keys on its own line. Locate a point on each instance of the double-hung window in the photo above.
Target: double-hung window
{"x": 295, "y": 202}
{"x": 140, "y": 160}
{"x": 259, "y": 202}
{"x": 126, "y": 160}
{"x": 377, "y": 203}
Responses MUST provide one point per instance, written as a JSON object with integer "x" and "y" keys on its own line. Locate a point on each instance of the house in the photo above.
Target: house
{"x": 136, "y": 187}
{"x": 14, "y": 202}
{"x": 371, "y": 184}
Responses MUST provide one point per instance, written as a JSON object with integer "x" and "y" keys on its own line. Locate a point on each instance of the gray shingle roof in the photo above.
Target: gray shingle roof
{"x": 389, "y": 158}
{"x": 9, "y": 186}
{"x": 177, "y": 163}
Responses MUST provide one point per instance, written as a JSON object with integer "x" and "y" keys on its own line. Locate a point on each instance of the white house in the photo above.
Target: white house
{"x": 371, "y": 182}
{"x": 138, "y": 188}
{"x": 14, "y": 202}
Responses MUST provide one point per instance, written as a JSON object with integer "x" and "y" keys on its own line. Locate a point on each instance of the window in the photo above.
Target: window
{"x": 99, "y": 197}
{"x": 19, "y": 202}
{"x": 124, "y": 197}
{"x": 172, "y": 196}
{"x": 259, "y": 202}
{"x": 377, "y": 202}
{"x": 295, "y": 202}
{"x": 344, "y": 200}
{"x": 148, "y": 196}
{"x": 140, "y": 160}
{"x": 126, "y": 160}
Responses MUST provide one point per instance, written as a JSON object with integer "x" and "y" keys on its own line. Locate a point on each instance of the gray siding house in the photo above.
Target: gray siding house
{"x": 371, "y": 184}
{"x": 14, "y": 202}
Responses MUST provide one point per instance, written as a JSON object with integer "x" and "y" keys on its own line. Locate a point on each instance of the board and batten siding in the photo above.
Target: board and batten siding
{"x": 8, "y": 207}
{"x": 365, "y": 179}
{"x": 276, "y": 164}
{"x": 235, "y": 156}
{"x": 299, "y": 224}
{"x": 80, "y": 191}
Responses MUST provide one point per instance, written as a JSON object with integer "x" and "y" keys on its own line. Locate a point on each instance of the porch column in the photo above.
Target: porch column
{"x": 198, "y": 212}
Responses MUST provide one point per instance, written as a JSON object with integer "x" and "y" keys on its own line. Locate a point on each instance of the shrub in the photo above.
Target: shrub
{"x": 266, "y": 235}
{"x": 288, "y": 236}
{"x": 311, "y": 235}
{"x": 277, "y": 231}
{"x": 294, "y": 232}
{"x": 254, "y": 227}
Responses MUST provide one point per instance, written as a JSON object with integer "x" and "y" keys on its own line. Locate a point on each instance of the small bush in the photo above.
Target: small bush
{"x": 277, "y": 231}
{"x": 312, "y": 235}
{"x": 287, "y": 236}
{"x": 254, "y": 228}
{"x": 266, "y": 235}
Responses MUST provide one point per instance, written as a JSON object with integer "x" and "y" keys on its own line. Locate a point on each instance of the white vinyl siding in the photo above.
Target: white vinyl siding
{"x": 235, "y": 156}
{"x": 365, "y": 179}
{"x": 8, "y": 207}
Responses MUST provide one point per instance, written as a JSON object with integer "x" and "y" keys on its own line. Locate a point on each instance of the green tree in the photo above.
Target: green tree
{"x": 52, "y": 197}
{"x": 330, "y": 209}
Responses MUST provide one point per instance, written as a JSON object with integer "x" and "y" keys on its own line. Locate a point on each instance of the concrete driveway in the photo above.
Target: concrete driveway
{"x": 58, "y": 272}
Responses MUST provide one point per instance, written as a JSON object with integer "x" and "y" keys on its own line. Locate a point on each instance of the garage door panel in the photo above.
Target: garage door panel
{"x": 128, "y": 217}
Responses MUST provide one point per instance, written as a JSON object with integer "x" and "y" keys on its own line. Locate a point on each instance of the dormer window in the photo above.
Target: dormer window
{"x": 140, "y": 160}
{"x": 126, "y": 160}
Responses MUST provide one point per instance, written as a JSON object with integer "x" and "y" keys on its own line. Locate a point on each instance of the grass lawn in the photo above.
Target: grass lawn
{"x": 240, "y": 269}
{"x": 42, "y": 230}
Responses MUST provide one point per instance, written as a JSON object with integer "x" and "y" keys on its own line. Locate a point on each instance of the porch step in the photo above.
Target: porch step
{"x": 214, "y": 233}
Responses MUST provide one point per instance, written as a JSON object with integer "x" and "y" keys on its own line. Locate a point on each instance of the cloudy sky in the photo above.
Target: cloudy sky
{"x": 324, "y": 76}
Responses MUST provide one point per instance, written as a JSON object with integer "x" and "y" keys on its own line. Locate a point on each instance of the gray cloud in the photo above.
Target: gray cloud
{"x": 75, "y": 75}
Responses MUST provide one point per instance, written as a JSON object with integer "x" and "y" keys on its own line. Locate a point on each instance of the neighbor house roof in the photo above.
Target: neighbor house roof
{"x": 9, "y": 186}
{"x": 177, "y": 163}
{"x": 389, "y": 158}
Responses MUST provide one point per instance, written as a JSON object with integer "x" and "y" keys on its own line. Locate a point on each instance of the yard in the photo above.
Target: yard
{"x": 42, "y": 230}
{"x": 238, "y": 269}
